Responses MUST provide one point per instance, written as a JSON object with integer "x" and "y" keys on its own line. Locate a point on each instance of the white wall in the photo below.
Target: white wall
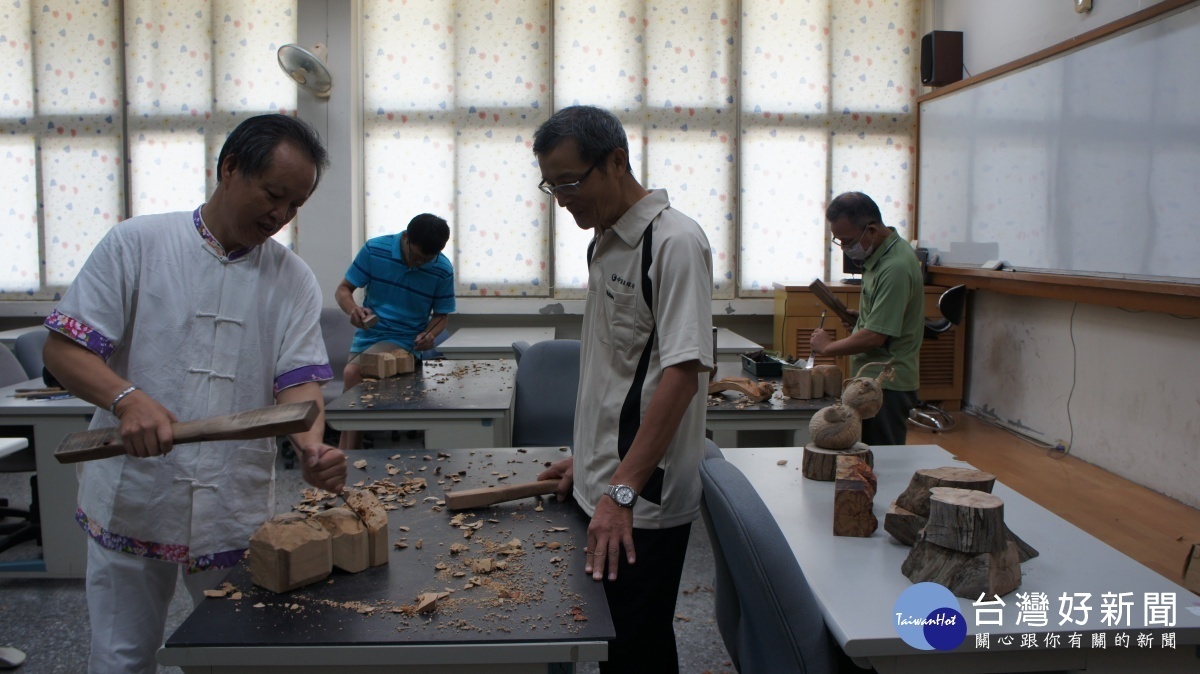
{"x": 1135, "y": 403}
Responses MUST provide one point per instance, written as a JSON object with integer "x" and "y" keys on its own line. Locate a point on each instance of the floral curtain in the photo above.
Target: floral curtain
{"x": 114, "y": 109}
{"x": 751, "y": 114}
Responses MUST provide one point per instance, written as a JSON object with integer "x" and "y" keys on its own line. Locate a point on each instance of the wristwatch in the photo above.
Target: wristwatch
{"x": 624, "y": 495}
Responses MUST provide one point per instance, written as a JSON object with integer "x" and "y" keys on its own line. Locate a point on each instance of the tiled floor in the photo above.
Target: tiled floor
{"x": 47, "y": 619}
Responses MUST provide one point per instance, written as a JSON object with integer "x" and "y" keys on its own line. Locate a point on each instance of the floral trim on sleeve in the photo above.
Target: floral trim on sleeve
{"x": 303, "y": 375}
{"x": 163, "y": 551}
{"x": 81, "y": 333}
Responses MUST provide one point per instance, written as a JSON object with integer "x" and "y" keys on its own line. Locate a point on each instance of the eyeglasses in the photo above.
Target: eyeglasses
{"x": 843, "y": 243}
{"x": 567, "y": 188}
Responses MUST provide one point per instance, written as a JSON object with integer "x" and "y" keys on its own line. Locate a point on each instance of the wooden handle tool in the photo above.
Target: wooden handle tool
{"x": 264, "y": 422}
{"x": 477, "y": 498}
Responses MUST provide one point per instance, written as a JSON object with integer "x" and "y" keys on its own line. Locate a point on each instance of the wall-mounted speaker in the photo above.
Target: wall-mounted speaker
{"x": 941, "y": 57}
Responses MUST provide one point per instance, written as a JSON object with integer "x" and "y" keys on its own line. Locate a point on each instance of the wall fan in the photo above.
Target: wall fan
{"x": 307, "y": 68}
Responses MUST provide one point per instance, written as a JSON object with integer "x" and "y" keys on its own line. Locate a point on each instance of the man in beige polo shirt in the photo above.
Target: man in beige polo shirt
{"x": 646, "y": 351}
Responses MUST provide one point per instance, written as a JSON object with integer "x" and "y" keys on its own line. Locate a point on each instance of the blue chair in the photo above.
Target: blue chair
{"x": 766, "y": 611}
{"x": 544, "y": 395}
{"x": 28, "y": 349}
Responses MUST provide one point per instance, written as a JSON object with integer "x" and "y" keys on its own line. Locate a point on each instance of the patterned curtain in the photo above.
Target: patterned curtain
{"x": 751, "y": 114}
{"x": 98, "y": 133}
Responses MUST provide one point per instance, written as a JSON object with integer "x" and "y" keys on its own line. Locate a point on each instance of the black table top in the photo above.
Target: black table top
{"x": 435, "y": 385}
{"x": 732, "y": 401}
{"x": 546, "y": 583}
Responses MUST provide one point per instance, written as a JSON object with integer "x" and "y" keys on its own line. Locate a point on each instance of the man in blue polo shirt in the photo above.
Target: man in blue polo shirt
{"x": 409, "y": 293}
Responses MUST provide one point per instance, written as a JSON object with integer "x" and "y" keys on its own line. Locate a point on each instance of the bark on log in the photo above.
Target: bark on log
{"x": 290, "y": 551}
{"x": 1024, "y": 550}
{"x": 915, "y": 498}
{"x": 966, "y": 575}
{"x": 375, "y": 518}
{"x": 351, "y": 542}
{"x": 1191, "y": 569}
{"x": 821, "y": 464}
{"x": 853, "y": 498}
{"x": 966, "y": 520}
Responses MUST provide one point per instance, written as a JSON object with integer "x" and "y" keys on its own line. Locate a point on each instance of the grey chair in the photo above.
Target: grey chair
{"x": 27, "y": 525}
{"x": 28, "y": 349}
{"x": 766, "y": 611}
{"x": 544, "y": 395}
{"x": 338, "y": 334}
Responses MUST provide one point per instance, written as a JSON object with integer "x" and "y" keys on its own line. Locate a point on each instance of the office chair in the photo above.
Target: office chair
{"x": 28, "y": 349}
{"x": 766, "y": 612}
{"x": 16, "y": 456}
{"x": 544, "y": 395}
{"x": 951, "y": 305}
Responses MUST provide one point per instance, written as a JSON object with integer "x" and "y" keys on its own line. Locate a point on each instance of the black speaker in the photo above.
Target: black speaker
{"x": 941, "y": 58}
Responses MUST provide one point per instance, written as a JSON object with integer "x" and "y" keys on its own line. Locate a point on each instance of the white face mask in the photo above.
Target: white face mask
{"x": 857, "y": 252}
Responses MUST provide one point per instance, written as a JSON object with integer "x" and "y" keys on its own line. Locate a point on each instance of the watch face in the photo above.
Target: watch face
{"x": 622, "y": 494}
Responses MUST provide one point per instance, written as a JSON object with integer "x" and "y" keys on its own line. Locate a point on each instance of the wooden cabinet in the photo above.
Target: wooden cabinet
{"x": 798, "y": 312}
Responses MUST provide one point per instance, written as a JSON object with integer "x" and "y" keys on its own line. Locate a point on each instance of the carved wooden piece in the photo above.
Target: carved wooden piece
{"x": 485, "y": 496}
{"x": 351, "y": 542}
{"x": 386, "y": 363}
{"x": 290, "y": 551}
{"x": 966, "y": 575}
{"x": 966, "y": 520}
{"x": 798, "y": 383}
{"x": 853, "y": 498}
{"x": 835, "y": 427}
{"x": 375, "y": 518}
{"x": 903, "y": 525}
{"x": 757, "y": 391}
{"x": 264, "y": 422}
{"x": 915, "y": 498}
{"x": 821, "y": 464}
{"x": 831, "y": 378}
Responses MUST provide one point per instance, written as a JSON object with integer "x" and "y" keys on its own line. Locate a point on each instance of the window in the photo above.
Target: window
{"x": 92, "y": 133}
{"x": 751, "y": 114}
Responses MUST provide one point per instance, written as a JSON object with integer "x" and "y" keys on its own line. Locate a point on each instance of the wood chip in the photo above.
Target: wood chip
{"x": 781, "y": 462}
{"x": 215, "y": 594}
{"x": 361, "y": 463}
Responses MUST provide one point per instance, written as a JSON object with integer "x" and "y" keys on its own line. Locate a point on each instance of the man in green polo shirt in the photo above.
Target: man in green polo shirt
{"x": 891, "y": 316}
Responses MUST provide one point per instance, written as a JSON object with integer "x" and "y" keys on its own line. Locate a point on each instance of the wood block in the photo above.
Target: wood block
{"x": 1024, "y": 550}
{"x": 290, "y": 551}
{"x": 351, "y": 542}
{"x": 1191, "y": 569}
{"x": 966, "y": 575}
{"x": 853, "y": 498}
{"x": 375, "y": 365}
{"x": 405, "y": 362}
{"x": 375, "y": 517}
{"x": 915, "y": 498}
{"x": 798, "y": 383}
{"x": 966, "y": 520}
{"x": 821, "y": 464}
{"x": 831, "y": 377}
{"x": 903, "y": 525}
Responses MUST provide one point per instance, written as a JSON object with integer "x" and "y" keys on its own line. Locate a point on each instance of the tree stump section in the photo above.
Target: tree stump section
{"x": 853, "y": 498}
{"x": 821, "y": 464}
{"x": 903, "y": 525}
{"x": 351, "y": 542}
{"x": 375, "y": 518}
{"x": 1191, "y": 569}
{"x": 966, "y": 575}
{"x": 915, "y": 498}
{"x": 831, "y": 378}
{"x": 965, "y": 520}
{"x": 798, "y": 383}
{"x": 756, "y": 391}
{"x": 290, "y": 551}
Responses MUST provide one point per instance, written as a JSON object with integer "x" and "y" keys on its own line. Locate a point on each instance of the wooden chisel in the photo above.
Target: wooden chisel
{"x": 477, "y": 498}
{"x": 264, "y": 422}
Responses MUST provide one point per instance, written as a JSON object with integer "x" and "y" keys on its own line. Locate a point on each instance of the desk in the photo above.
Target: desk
{"x": 9, "y": 337}
{"x": 730, "y": 412}
{"x": 489, "y": 343}
{"x": 64, "y": 550}
{"x": 459, "y": 404}
{"x": 857, "y": 580}
{"x": 731, "y": 346}
{"x": 311, "y": 629}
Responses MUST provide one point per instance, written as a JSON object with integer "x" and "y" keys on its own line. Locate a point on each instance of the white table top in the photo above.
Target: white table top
{"x": 11, "y": 406}
{"x": 729, "y": 341}
{"x": 490, "y": 342}
{"x": 858, "y": 580}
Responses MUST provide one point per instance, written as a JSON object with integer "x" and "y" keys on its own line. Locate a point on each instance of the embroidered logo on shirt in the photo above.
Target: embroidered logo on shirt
{"x": 627, "y": 284}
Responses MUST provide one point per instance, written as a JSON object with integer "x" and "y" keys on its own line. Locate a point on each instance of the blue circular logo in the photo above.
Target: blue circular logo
{"x": 927, "y": 618}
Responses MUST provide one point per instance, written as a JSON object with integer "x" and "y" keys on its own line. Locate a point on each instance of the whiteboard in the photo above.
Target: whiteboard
{"x": 1087, "y": 162}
